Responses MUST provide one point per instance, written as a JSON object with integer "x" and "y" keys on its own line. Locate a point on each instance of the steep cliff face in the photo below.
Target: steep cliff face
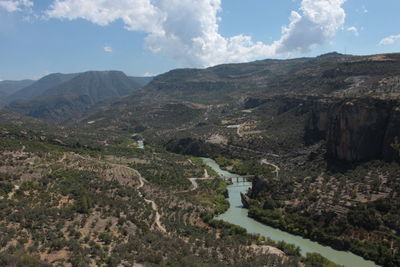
{"x": 391, "y": 148}
{"x": 318, "y": 122}
{"x": 356, "y": 129}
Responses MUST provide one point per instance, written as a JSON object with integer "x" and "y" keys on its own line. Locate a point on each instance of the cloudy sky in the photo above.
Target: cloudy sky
{"x": 145, "y": 37}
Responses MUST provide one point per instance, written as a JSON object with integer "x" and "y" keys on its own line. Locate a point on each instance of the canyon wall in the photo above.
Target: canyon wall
{"x": 355, "y": 129}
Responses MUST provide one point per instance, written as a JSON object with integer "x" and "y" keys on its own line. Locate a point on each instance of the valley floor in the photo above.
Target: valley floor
{"x": 63, "y": 206}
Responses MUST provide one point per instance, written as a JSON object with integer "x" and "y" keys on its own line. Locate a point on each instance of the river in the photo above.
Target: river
{"x": 236, "y": 214}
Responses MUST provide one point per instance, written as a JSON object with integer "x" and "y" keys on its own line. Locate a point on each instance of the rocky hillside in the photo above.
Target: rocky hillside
{"x": 330, "y": 75}
{"x": 39, "y": 87}
{"x": 356, "y": 129}
{"x": 7, "y": 88}
{"x": 59, "y": 97}
{"x": 70, "y": 200}
{"x": 10, "y": 87}
{"x": 97, "y": 85}
{"x": 347, "y": 101}
{"x": 330, "y": 126}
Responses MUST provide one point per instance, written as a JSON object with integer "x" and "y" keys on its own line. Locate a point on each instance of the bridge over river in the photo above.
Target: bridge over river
{"x": 236, "y": 214}
{"x": 238, "y": 180}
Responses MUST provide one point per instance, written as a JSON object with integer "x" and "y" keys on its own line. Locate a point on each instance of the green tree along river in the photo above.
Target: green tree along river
{"x": 236, "y": 214}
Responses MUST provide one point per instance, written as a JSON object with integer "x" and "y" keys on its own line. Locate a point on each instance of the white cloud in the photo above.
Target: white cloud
{"x": 317, "y": 22}
{"x": 149, "y": 74}
{"x": 16, "y": 5}
{"x": 41, "y": 75}
{"x": 389, "y": 40}
{"x": 188, "y": 30}
{"x": 108, "y": 49}
{"x": 139, "y": 15}
{"x": 10, "y": 6}
{"x": 354, "y": 30}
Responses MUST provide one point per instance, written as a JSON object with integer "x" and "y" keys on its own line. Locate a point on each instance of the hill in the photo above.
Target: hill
{"x": 2, "y": 102}
{"x": 39, "y": 87}
{"x": 331, "y": 124}
{"x": 256, "y": 94}
{"x": 70, "y": 200}
{"x": 97, "y": 85}
{"x": 141, "y": 80}
{"x": 327, "y": 75}
{"x": 66, "y": 96}
{"x": 10, "y": 87}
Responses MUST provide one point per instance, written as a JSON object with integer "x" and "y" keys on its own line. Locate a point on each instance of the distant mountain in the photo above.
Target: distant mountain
{"x": 39, "y": 87}
{"x": 197, "y": 100}
{"x": 97, "y": 85}
{"x": 331, "y": 74}
{"x": 2, "y": 97}
{"x": 142, "y": 80}
{"x": 55, "y": 109}
{"x": 59, "y": 97}
{"x": 232, "y": 81}
{"x": 10, "y": 87}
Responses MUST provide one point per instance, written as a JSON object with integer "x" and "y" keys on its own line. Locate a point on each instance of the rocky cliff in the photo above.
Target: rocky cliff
{"x": 355, "y": 129}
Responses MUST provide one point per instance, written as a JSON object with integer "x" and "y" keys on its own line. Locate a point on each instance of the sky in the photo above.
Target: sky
{"x": 149, "y": 37}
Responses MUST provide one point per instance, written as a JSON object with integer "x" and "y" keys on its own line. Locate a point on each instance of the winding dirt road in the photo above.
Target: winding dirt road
{"x": 157, "y": 220}
{"x": 239, "y": 128}
{"x": 277, "y": 169}
{"x": 195, "y": 185}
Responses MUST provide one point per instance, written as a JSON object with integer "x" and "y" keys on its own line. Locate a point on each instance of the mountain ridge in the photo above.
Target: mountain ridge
{"x": 328, "y": 125}
{"x": 40, "y": 86}
{"x": 58, "y": 97}
{"x": 9, "y": 87}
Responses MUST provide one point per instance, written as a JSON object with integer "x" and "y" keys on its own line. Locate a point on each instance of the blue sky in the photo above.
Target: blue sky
{"x": 143, "y": 37}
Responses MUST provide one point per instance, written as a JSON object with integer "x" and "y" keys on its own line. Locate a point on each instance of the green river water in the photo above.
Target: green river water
{"x": 236, "y": 214}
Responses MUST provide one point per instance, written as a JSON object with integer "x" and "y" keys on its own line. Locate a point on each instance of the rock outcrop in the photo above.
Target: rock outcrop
{"x": 245, "y": 200}
{"x": 356, "y": 129}
{"x": 317, "y": 125}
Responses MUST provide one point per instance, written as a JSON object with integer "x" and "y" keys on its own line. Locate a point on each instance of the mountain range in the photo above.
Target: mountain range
{"x": 318, "y": 137}
{"x": 330, "y": 123}
{"x": 9, "y": 87}
{"x": 57, "y": 97}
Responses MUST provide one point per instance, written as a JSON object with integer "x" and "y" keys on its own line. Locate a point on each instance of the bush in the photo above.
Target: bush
{"x": 5, "y": 188}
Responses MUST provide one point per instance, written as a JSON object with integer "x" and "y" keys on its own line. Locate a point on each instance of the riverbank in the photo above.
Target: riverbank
{"x": 237, "y": 215}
